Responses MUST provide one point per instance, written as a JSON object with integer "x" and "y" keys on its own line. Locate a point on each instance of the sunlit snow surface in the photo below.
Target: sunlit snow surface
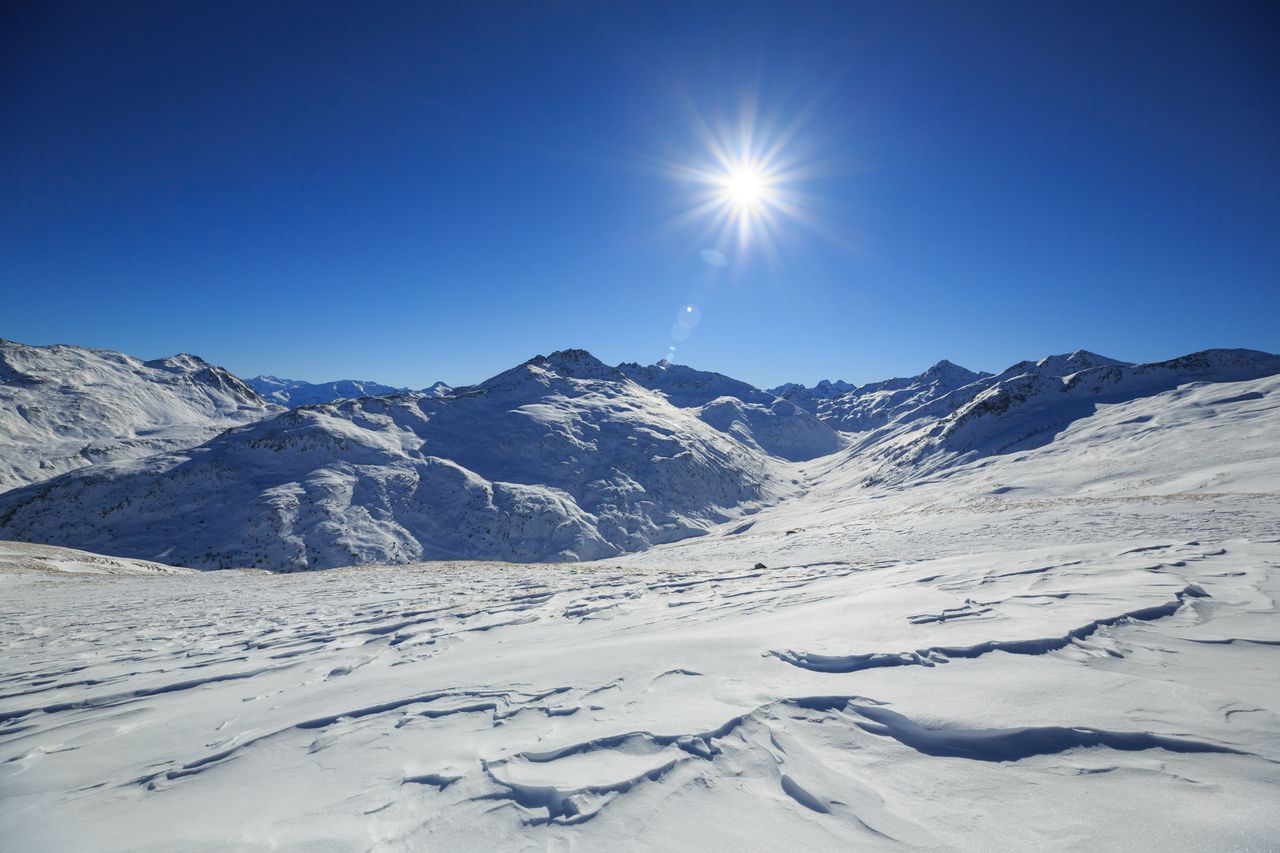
{"x": 1075, "y": 646}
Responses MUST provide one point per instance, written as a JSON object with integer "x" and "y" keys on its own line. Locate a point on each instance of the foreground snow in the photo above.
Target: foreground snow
{"x": 1101, "y": 695}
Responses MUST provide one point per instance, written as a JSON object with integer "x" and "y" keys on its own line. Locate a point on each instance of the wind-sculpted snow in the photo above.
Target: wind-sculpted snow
{"x": 934, "y": 655}
{"x": 560, "y": 458}
{"x": 481, "y": 706}
{"x": 64, "y": 408}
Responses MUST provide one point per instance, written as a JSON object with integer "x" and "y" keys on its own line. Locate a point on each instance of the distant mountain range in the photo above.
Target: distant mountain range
{"x": 561, "y": 457}
{"x": 295, "y": 392}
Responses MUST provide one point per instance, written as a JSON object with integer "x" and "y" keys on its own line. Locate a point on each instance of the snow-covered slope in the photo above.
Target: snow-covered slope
{"x": 295, "y": 392}
{"x": 1026, "y": 406}
{"x": 22, "y": 557}
{"x": 779, "y": 428}
{"x": 559, "y": 458}
{"x": 65, "y": 407}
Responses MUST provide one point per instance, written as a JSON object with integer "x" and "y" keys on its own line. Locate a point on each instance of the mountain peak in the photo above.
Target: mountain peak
{"x": 566, "y": 364}
{"x": 1068, "y": 363}
{"x": 951, "y": 374}
{"x": 183, "y": 362}
{"x": 579, "y": 364}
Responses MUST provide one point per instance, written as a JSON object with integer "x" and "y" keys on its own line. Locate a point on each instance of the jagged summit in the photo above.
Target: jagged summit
{"x": 825, "y": 389}
{"x": 834, "y": 387}
{"x": 579, "y": 364}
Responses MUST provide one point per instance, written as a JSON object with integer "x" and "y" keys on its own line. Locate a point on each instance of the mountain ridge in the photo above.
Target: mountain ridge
{"x": 64, "y": 407}
{"x": 297, "y": 392}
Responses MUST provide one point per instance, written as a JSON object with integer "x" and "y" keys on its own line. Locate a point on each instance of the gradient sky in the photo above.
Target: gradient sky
{"x": 412, "y": 192}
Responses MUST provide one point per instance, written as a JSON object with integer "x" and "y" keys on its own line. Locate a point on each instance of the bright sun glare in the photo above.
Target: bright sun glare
{"x": 746, "y": 187}
{"x": 747, "y": 182}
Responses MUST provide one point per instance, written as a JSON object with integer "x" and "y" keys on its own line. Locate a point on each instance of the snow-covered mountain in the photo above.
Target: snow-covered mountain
{"x": 687, "y": 387}
{"x": 66, "y": 407}
{"x": 876, "y": 404}
{"x": 808, "y": 398}
{"x": 561, "y": 457}
{"x": 1027, "y": 405}
{"x": 757, "y": 418}
{"x": 295, "y": 392}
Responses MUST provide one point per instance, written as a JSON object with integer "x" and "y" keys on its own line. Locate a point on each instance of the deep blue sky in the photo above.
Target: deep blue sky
{"x": 411, "y": 192}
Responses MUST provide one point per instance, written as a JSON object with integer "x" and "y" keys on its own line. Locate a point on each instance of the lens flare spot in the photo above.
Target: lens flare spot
{"x": 688, "y": 316}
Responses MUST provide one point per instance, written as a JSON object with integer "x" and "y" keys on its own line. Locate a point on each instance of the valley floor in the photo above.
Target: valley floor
{"x": 1055, "y": 672}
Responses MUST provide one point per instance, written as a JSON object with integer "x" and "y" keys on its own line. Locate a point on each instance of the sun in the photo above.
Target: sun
{"x": 748, "y": 182}
{"x": 746, "y": 188}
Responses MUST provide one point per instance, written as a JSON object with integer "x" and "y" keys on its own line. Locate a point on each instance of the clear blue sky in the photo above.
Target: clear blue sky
{"x": 419, "y": 191}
